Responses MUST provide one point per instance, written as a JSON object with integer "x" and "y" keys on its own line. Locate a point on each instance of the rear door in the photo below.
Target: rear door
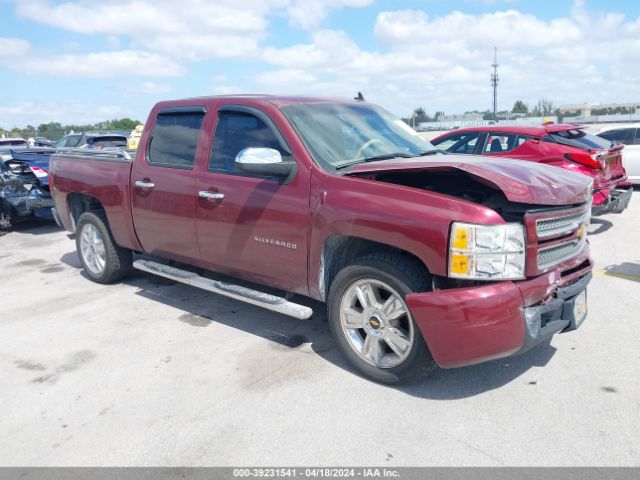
{"x": 163, "y": 183}
{"x": 258, "y": 227}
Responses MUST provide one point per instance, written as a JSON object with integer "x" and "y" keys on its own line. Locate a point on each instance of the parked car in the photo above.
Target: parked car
{"x": 422, "y": 258}
{"x": 24, "y": 185}
{"x": 39, "y": 142}
{"x": 565, "y": 146}
{"x": 97, "y": 140}
{"x": 8, "y": 143}
{"x": 629, "y": 136}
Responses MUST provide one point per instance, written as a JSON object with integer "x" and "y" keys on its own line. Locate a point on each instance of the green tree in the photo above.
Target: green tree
{"x": 419, "y": 116}
{"x": 520, "y": 107}
{"x": 121, "y": 124}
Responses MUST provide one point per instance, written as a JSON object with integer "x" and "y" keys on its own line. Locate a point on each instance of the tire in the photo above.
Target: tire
{"x": 94, "y": 239}
{"x": 380, "y": 273}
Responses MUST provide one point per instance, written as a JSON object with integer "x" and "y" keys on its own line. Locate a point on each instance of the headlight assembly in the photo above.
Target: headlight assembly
{"x": 487, "y": 252}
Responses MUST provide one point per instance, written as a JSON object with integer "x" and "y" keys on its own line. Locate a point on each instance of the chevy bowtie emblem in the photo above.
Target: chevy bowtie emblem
{"x": 582, "y": 231}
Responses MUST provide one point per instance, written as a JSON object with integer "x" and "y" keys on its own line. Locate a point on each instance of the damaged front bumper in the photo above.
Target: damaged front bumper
{"x": 465, "y": 326}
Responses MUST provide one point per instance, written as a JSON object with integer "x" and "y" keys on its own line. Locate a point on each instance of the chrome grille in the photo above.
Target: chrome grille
{"x": 550, "y": 256}
{"x": 548, "y": 227}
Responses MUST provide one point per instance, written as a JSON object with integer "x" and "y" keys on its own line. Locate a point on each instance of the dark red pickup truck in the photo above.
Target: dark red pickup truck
{"x": 423, "y": 258}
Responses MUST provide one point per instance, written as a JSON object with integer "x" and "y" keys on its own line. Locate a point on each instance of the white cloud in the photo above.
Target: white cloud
{"x": 192, "y": 29}
{"x": 444, "y": 62}
{"x": 35, "y": 113}
{"x": 221, "y": 85}
{"x": 150, "y": 88}
{"x": 441, "y": 62}
{"x": 13, "y": 47}
{"x": 406, "y": 27}
{"x": 102, "y": 64}
{"x": 309, "y": 13}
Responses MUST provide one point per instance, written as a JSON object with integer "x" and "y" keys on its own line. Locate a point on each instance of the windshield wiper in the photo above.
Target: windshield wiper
{"x": 386, "y": 156}
{"x": 435, "y": 151}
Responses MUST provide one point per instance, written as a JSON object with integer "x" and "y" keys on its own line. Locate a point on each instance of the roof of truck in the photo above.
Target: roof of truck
{"x": 277, "y": 100}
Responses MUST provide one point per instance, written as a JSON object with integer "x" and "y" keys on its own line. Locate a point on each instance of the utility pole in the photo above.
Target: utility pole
{"x": 494, "y": 81}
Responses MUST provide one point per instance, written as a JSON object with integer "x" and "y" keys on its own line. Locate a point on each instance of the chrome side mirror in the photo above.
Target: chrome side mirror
{"x": 265, "y": 162}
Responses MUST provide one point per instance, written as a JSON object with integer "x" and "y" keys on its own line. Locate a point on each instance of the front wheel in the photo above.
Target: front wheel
{"x": 371, "y": 322}
{"x": 102, "y": 259}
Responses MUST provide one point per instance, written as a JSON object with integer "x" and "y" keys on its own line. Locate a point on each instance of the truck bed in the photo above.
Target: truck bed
{"x": 103, "y": 175}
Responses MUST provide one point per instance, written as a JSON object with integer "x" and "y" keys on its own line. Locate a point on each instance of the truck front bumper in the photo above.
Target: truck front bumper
{"x": 464, "y": 326}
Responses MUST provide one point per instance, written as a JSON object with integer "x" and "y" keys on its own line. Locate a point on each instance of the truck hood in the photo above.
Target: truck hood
{"x": 520, "y": 181}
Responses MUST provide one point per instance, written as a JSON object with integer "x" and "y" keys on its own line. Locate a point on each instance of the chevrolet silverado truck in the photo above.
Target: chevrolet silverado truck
{"x": 422, "y": 258}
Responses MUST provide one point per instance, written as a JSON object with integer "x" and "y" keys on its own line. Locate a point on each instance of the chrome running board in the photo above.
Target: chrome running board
{"x": 237, "y": 292}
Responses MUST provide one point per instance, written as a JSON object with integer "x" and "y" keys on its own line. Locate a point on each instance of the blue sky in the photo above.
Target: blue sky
{"x": 84, "y": 61}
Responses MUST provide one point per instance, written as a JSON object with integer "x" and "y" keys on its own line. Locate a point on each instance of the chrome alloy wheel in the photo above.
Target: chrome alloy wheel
{"x": 376, "y": 323}
{"x": 92, "y": 249}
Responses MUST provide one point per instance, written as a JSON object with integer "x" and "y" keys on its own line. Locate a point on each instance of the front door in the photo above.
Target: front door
{"x": 252, "y": 227}
{"x": 163, "y": 186}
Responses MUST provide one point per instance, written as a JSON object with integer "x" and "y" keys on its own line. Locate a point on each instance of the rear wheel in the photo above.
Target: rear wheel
{"x": 102, "y": 259}
{"x": 371, "y": 322}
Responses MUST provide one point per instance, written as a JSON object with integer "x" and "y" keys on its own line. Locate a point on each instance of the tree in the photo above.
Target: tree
{"x": 543, "y": 107}
{"x": 121, "y": 124}
{"x": 520, "y": 107}
{"x": 419, "y": 115}
{"x": 49, "y": 127}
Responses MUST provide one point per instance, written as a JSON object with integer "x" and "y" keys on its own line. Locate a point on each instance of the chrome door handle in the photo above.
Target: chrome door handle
{"x": 211, "y": 195}
{"x": 143, "y": 184}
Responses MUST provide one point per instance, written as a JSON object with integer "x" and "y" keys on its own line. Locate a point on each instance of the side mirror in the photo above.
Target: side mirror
{"x": 265, "y": 162}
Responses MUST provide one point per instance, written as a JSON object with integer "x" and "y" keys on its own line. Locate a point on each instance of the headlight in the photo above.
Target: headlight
{"x": 487, "y": 252}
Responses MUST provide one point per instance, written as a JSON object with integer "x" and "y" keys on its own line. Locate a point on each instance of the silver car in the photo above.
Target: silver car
{"x": 629, "y": 135}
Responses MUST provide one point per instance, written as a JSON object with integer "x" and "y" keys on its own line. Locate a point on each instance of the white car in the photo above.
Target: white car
{"x": 629, "y": 135}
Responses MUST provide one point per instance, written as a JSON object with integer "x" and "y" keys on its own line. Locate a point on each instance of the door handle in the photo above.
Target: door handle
{"x": 144, "y": 184}
{"x": 210, "y": 195}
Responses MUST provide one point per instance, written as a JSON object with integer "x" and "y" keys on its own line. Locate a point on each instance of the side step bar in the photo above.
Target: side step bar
{"x": 237, "y": 292}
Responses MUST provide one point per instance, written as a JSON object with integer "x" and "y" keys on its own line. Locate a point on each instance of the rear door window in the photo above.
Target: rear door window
{"x": 458, "y": 142}
{"x": 580, "y": 139}
{"x": 174, "y": 139}
{"x": 503, "y": 142}
{"x": 636, "y": 141}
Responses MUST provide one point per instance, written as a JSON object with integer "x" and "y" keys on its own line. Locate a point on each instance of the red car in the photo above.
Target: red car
{"x": 564, "y": 146}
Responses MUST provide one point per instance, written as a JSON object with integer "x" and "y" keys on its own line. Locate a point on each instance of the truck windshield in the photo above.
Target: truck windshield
{"x": 337, "y": 135}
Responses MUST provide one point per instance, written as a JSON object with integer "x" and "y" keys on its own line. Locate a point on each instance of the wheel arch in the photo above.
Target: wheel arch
{"x": 339, "y": 251}
{"x": 79, "y": 203}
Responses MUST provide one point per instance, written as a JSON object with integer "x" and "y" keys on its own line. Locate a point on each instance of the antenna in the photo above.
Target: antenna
{"x": 494, "y": 81}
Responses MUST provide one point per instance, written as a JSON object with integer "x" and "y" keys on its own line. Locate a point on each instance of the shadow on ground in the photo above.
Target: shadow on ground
{"x": 625, "y": 270}
{"x": 290, "y": 333}
{"x": 35, "y": 226}
{"x": 601, "y": 224}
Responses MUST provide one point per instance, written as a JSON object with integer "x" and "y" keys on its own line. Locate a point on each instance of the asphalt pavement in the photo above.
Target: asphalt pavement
{"x": 147, "y": 372}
